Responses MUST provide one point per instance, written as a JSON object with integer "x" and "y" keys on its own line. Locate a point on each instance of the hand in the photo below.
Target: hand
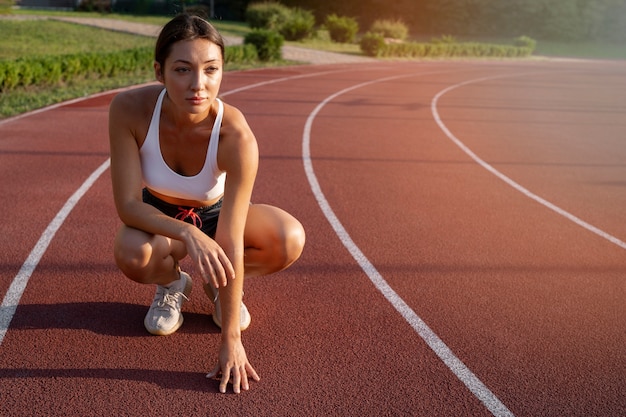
{"x": 210, "y": 259}
{"x": 234, "y": 367}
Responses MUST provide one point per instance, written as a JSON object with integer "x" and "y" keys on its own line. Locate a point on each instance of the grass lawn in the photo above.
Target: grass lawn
{"x": 50, "y": 37}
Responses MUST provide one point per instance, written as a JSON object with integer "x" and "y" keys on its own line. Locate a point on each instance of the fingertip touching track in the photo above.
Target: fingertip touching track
{"x": 413, "y": 177}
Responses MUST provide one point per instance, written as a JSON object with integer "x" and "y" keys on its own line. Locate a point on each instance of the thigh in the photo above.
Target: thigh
{"x": 135, "y": 243}
{"x": 268, "y": 225}
{"x": 130, "y": 239}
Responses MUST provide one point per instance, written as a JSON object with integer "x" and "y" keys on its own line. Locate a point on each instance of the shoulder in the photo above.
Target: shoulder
{"x": 130, "y": 112}
{"x": 235, "y": 127}
{"x": 234, "y": 123}
{"x": 135, "y": 102}
{"x": 238, "y": 145}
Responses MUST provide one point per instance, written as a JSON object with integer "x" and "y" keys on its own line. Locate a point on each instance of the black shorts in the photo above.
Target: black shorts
{"x": 204, "y": 218}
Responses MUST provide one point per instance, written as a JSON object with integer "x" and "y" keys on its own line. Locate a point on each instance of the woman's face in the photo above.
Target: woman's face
{"x": 192, "y": 74}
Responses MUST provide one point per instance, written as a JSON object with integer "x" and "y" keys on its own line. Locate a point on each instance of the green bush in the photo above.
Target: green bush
{"x": 267, "y": 15}
{"x": 342, "y": 29}
{"x": 394, "y": 29}
{"x": 241, "y": 54}
{"x": 299, "y": 25}
{"x": 54, "y": 69}
{"x": 6, "y": 6}
{"x": 445, "y": 39}
{"x": 268, "y": 44}
{"x": 9, "y": 75}
{"x": 526, "y": 42}
{"x": 71, "y": 64}
{"x": 372, "y": 43}
{"x": 292, "y": 23}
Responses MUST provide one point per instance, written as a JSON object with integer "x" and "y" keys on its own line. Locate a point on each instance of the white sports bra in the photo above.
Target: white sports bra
{"x": 208, "y": 184}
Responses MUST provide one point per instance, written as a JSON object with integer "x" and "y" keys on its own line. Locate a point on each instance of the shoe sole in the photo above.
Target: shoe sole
{"x": 186, "y": 291}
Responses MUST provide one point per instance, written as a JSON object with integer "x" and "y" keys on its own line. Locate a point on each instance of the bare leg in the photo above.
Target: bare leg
{"x": 273, "y": 238}
{"x": 146, "y": 258}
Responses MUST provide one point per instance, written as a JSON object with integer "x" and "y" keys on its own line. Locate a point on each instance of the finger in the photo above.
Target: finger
{"x": 220, "y": 274}
{"x": 251, "y": 372}
{"x": 224, "y": 381}
{"x": 212, "y": 276}
{"x": 214, "y": 372}
{"x": 206, "y": 270}
{"x": 237, "y": 380}
{"x": 214, "y": 283}
{"x": 245, "y": 384}
{"x": 229, "y": 270}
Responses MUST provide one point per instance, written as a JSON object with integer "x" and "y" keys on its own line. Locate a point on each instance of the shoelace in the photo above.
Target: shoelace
{"x": 184, "y": 213}
{"x": 168, "y": 297}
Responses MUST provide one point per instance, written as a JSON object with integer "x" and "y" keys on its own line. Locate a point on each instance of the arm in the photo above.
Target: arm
{"x": 238, "y": 156}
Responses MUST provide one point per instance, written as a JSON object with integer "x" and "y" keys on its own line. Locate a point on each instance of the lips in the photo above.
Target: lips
{"x": 196, "y": 100}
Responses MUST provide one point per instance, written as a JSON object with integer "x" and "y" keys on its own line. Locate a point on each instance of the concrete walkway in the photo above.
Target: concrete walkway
{"x": 291, "y": 53}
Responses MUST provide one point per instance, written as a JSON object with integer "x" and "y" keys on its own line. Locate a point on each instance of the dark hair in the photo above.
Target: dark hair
{"x": 185, "y": 27}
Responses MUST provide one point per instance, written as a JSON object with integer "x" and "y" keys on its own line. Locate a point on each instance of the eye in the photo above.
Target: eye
{"x": 212, "y": 68}
{"x": 181, "y": 69}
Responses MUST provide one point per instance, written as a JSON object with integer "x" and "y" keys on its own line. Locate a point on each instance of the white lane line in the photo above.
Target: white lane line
{"x": 67, "y": 103}
{"x": 503, "y": 177}
{"x": 13, "y": 295}
{"x": 280, "y": 80}
{"x": 458, "y": 368}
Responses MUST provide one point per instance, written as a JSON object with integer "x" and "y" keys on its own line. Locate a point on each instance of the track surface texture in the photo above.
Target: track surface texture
{"x": 465, "y": 251}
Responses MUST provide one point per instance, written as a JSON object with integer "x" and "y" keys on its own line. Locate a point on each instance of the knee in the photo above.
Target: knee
{"x": 133, "y": 262}
{"x": 293, "y": 243}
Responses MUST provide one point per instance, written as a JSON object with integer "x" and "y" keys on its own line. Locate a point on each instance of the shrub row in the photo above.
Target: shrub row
{"x": 342, "y": 29}
{"x": 24, "y": 72}
{"x": 394, "y": 29}
{"x": 292, "y": 23}
{"x": 54, "y": 69}
{"x": 373, "y": 44}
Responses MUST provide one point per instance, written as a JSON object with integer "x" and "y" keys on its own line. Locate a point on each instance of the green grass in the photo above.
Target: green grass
{"x": 551, "y": 48}
{"x": 225, "y": 27}
{"x": 321, "y": 41}
{"x": 50, "y": 37}
{"x": 588, "y": 50}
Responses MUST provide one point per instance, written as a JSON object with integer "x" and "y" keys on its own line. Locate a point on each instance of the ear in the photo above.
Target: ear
{"x": 158, "y": 72}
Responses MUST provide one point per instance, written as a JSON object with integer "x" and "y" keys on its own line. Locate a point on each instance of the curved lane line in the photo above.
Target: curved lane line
{"x": 280, "y": 80}
{"x": 18, "y": 285}
{"x": 458, "y": 368}
{"x": 503, "y": 177}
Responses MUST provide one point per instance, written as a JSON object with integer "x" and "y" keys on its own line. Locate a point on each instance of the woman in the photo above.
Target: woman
{"x": 183, "y": 165}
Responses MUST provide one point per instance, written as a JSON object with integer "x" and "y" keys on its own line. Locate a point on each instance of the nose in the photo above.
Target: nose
{"x": 197, "y": 81}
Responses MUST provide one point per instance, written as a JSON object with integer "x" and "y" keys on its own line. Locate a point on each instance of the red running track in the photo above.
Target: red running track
{"x": 465, "y": 251}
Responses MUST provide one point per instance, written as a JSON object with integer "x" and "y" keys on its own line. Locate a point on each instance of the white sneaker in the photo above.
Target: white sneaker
{"x": 214, "y": 296}
{"x": 164, "y": 316}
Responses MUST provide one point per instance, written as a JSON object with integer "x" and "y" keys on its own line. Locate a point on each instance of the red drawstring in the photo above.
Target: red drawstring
{"x": 183, "y": 214}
